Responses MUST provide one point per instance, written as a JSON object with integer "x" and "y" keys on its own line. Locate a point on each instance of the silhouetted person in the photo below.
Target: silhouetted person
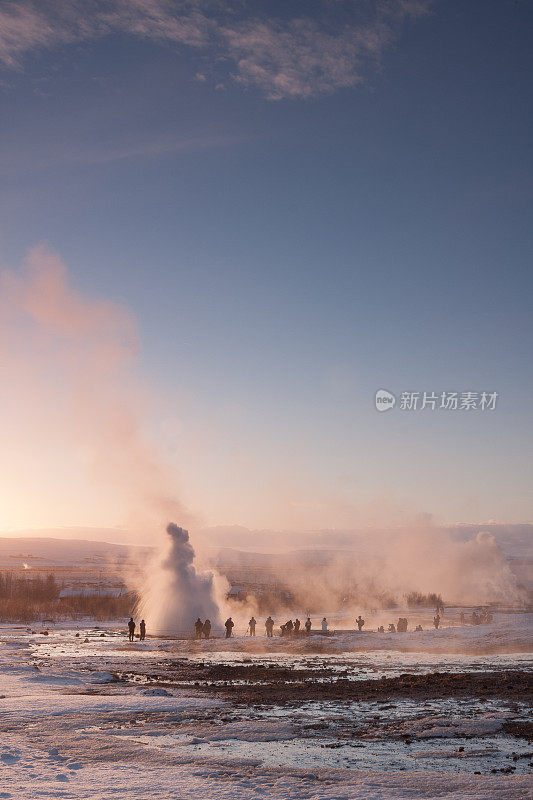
{"x": 296, "y": 626}
{"x": 360, "y": 622}
{"x": 289, "y": 627}
{"x": 324, "y": 625}
{"x": 308, "y": 625}
{"x": 207, "y": 628}
{"x": 436, "y": 621}
{"x": 269, "y": 625}
{"x": 199, "y": 627}
{"x": 229, "y": 624}
{"x": 381, "y": 629}
{"x": 142, "y": 630}
{"x": 252, "y": 624}
{"x": 392, "y": 628}
{"x": 131, "y": 629}
{"x": 418, "y": 628}
{"x": 462, "y": 618}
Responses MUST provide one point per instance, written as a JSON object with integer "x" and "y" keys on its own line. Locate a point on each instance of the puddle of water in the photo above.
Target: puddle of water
{"x": 373, "y": 664}
{"x": 399, "y": 709}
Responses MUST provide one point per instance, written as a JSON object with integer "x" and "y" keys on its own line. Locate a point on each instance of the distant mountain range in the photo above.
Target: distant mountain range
{"x": 39, "y": 552}
{"x": 234, "y": 545}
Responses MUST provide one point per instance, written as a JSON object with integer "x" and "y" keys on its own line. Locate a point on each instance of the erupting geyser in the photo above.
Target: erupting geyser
{"x": 177, "y": 594}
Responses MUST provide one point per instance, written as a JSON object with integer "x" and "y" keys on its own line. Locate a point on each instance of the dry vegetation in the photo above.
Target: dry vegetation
{"x": 419, "y": 599}
{"x": 30, "y": 599}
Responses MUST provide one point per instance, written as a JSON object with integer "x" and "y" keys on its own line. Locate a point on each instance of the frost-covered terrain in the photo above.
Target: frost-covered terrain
{"x": 83, "y": 715}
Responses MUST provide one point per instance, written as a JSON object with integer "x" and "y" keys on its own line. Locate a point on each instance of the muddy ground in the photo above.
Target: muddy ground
{"x": 255, "y": 684}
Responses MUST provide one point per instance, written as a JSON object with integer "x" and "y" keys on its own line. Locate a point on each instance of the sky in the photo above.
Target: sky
{"x": 283, "y": 207}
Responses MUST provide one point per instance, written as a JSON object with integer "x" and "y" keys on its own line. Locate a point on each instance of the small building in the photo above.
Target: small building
{"x": 80, "y": 591}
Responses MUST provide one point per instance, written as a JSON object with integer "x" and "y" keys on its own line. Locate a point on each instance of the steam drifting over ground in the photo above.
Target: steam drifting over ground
{"x": 373, "y": 569}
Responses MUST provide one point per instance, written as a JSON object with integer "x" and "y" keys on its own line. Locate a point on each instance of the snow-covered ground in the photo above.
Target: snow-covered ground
{"x": 69, "y": 729}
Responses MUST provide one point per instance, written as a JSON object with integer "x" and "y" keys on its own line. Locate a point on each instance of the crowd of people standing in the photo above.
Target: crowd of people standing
{"x": 287, "y": 629}
{"x": 202, "y": 629}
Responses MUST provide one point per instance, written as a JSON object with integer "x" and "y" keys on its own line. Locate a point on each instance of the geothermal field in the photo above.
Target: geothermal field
{"x": 338, "y": 713}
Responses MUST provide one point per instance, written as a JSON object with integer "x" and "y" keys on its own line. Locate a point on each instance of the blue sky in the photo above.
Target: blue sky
{"x": 301, "y": 203}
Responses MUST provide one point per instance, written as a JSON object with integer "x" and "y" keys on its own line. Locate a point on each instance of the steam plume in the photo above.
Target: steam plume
{"x": 75, "y": 448}
{"x": 177, "y": 594}
{"x": 70, "y": 384}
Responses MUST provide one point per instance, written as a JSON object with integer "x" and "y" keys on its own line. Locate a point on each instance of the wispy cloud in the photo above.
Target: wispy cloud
{"x": 296, "y": 56}
{"x": 156, "y": 146}
{"x": 150, "y": 146}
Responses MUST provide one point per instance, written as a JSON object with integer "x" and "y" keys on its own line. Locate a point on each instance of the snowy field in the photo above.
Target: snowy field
{"x": 72, "y": 727}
